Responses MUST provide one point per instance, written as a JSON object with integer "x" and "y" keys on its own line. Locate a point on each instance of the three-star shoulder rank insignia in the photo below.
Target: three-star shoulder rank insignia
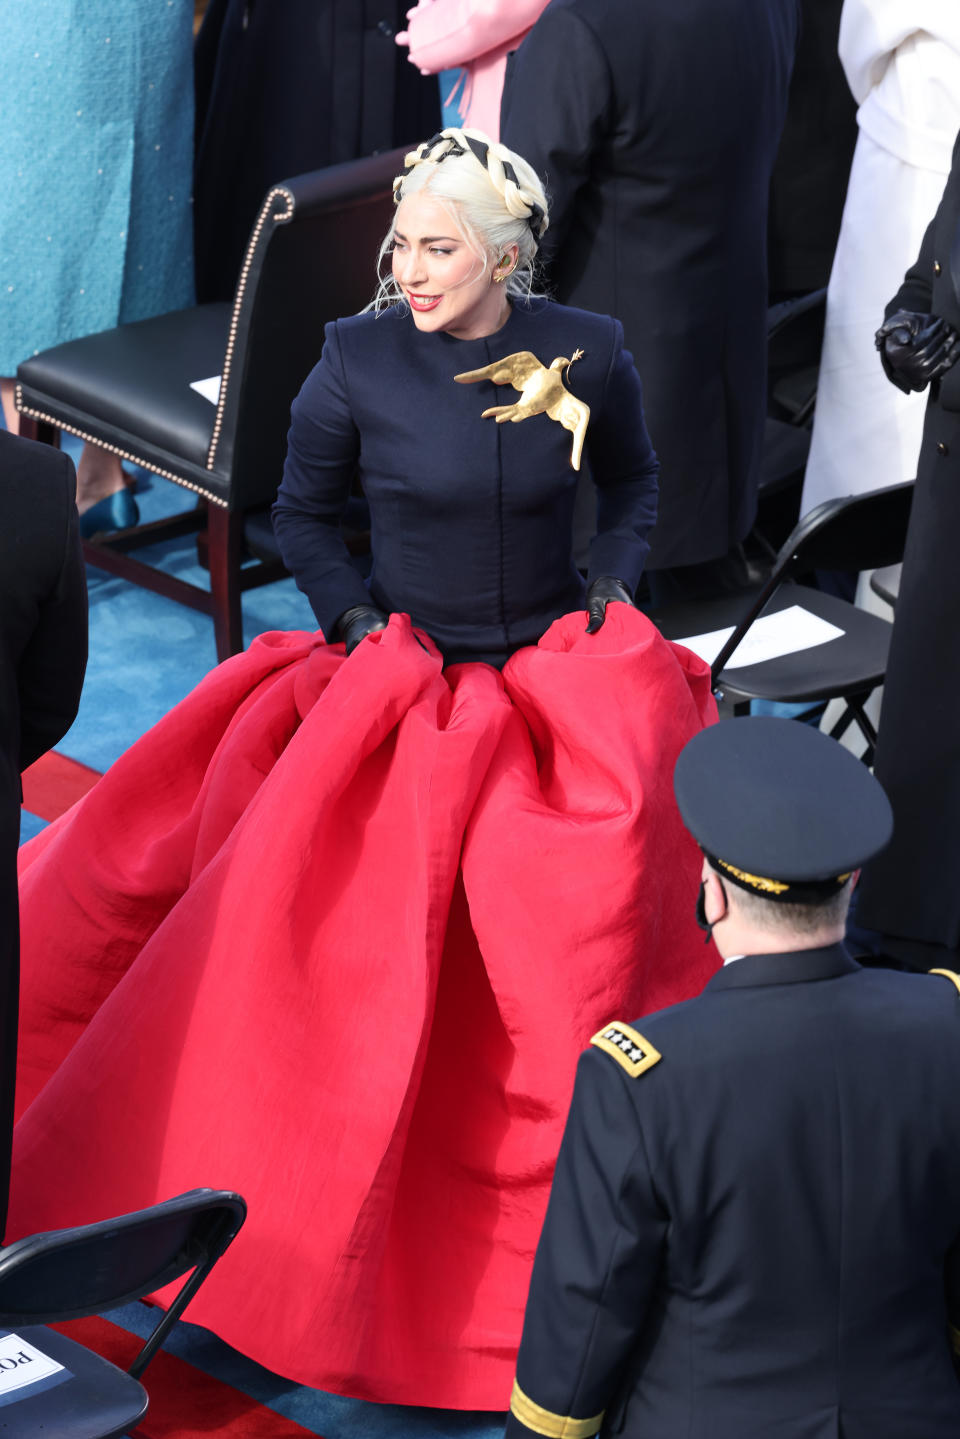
{"x": 631, "y": 1051}
{"x": 948, "y": 974}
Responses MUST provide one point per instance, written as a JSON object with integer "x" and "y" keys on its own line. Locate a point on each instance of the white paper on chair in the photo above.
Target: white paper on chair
{"x": 768, "y": 638}
{"x": 209, "y": 389}
{"x": 22, "y": 1364}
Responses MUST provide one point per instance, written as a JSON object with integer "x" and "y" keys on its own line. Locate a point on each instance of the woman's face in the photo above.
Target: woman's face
{"x": 445, "y": 282}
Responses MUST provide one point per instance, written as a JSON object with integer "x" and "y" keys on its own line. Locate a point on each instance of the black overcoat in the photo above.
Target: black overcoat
{"x": 43, "y": 654}
{"x": 911, "y": 890}
{"x": 471, "y": 521}
{"x": 812, "y": 168}
{"x": 287, "y": 86}
{"x": 655, "y": 124}
{"x": 755, "y": 1234}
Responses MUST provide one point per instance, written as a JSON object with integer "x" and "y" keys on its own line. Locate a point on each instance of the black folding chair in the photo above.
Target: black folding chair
{"x": 860, "y": 532}
{"x": 73, "y": 1273}
{"x": 794, "y": 340}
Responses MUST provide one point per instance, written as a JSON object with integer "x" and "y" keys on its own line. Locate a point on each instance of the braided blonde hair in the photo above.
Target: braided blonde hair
{"x": 493, "y": 196}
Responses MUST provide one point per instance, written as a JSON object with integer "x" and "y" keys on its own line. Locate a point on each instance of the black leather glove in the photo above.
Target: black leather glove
{"x": 354, "y": 624}
{"x": 600, "y": 593}
{"x": 916, "y": 349}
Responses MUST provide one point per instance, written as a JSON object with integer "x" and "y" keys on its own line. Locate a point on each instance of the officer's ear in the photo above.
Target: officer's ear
{"x": 715, "y": 904}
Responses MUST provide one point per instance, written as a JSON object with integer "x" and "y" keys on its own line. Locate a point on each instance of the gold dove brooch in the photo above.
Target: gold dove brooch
{"x": 542, "y": 392}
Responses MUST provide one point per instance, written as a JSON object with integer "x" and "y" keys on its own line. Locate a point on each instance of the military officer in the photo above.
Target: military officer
{"x": 754, "y": 1223}
{"x": 910, "y": 896}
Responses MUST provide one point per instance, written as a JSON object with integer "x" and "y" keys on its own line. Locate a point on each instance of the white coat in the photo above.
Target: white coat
{"x": 902, "y": 62}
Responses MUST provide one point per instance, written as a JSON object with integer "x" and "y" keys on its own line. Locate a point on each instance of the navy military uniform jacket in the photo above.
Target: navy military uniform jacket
{"x": 754, "y": 1236}
{"x": 471, "y": 520}
{"x": 917, "y": 752}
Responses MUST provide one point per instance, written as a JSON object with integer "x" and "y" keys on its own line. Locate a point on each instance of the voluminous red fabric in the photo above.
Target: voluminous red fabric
{"x": 333, "y": 934}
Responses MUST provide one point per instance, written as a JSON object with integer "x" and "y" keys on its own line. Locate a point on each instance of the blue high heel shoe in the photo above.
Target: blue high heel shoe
{"x": 117, "y": 512}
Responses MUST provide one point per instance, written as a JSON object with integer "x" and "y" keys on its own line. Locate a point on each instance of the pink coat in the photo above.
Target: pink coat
{"x": 476, "y": 35}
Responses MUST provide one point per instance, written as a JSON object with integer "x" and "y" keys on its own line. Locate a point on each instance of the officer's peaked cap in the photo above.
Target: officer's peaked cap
{"x": 779, "y": 808}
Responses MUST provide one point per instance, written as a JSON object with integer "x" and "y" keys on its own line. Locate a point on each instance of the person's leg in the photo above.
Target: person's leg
{"x": 99, "y": 475}
{"x": 10, "y": 417}
{"x": 680, "y": 583}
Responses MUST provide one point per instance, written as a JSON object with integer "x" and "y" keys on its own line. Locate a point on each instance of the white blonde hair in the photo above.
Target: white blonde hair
{"x": 493, "y": 196}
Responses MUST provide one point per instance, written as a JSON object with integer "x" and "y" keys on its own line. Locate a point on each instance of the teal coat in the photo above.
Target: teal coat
{"x": 96, "y": 113}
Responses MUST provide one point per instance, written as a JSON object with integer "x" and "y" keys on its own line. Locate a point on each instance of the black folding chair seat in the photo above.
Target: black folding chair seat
{"x": 785, "y": 451}
{"x": 856, "y": 661}
{"x": 794, "y": 341}
{"x": 98, "y": 1400}
{"x": 72, "y": 1273}
{"x": 860, "y": 532}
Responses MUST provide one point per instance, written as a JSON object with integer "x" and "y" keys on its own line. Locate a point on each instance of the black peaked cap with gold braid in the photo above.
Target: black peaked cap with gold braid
{"x": 780, "y": 809}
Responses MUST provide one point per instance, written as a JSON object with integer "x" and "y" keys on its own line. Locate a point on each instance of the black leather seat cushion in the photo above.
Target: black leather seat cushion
{"x": 135, "y": 381}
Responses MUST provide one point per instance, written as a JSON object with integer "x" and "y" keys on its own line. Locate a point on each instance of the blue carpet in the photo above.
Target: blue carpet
{"x": 326, "y": 1414}
{"x": 146, "y": 654}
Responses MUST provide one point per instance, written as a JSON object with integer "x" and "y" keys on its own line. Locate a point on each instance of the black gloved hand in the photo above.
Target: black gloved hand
{"x": 600, "y": 593}
{"x": 354, "y": 624}
{"x": 916, "y": 349}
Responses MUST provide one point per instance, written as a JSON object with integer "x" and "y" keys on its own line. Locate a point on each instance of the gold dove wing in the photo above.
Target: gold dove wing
{"x": 573, "y": 415}
{"x": 512, "y": 370}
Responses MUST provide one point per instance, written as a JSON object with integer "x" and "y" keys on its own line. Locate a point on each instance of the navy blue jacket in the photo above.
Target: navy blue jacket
{"x": 471, "y": 521}
{"x": 754, "y": 1237}
{"x": 654, "y": 125}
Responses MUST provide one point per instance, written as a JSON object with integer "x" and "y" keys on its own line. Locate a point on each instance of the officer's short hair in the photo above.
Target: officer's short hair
{"x": 780, "y": 916}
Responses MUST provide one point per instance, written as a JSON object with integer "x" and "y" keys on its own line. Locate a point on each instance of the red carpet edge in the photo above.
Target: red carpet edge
{"x": 54, "y": 783}
{"x": 185, "y": 1403}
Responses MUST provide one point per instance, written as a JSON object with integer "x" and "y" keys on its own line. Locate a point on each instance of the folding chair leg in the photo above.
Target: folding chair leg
{"x": 863, "y": 719}
{"x": 854, "y": 711}
{"x": 225, "y": 541}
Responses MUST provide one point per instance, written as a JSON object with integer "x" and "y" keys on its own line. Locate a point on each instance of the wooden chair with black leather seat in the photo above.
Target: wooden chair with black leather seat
{"x": 859, "y": 532}
{"x": 309, "y": 260}
{"x": 54, "y": 1388}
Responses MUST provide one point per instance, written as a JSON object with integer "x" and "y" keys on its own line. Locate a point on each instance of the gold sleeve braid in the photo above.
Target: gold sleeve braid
{"x": 544, "y": 1421}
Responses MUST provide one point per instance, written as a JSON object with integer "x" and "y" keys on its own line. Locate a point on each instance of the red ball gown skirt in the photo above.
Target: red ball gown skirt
{"x": 333, "y": 934}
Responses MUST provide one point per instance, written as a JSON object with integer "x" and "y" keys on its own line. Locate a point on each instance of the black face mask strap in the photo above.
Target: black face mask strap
{"x": 702, "y": 921}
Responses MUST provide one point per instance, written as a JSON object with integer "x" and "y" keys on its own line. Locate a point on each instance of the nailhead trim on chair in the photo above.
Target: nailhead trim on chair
{"x": 114, "y": 450}
{"x": 277, "y": 193}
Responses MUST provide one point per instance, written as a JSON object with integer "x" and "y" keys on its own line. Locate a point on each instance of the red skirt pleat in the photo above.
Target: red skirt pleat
{"x": 332, "y": 934}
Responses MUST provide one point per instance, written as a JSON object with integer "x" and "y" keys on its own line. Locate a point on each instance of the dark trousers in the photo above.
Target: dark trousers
{"x": 681, "y": 583}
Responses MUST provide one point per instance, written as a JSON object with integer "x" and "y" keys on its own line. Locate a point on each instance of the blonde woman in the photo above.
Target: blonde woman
{"x": 378, "y": 885}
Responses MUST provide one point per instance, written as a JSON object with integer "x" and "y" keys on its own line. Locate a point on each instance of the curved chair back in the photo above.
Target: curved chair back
{"x": 854, "y": 532}
{"x": 70, "y": 1273}
{"x": 311, "y": 258}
